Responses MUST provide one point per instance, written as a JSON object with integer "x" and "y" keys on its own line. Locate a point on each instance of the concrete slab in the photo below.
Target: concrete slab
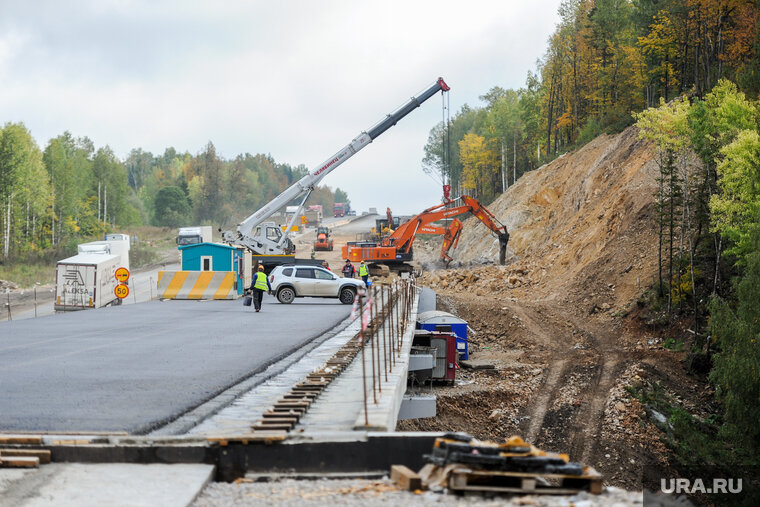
{"x": 83, "y": 485}
{"x": 341, "y": 406}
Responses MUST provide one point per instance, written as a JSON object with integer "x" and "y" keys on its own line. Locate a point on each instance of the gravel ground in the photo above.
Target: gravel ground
{"x": 382, "y": 492}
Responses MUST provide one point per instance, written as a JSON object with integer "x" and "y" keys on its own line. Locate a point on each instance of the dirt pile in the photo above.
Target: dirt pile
{"x": 560, "y": 320}
{"x": 586, "y": 218}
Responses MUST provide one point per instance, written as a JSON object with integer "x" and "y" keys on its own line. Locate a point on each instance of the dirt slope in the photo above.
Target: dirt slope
{"x": 583, "y": 247}
{"x": 583, "y": 219}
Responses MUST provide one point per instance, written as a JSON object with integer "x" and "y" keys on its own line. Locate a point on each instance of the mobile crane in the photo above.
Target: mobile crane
{"x": 395, "y": 250}
{"x": 269, "y": 245}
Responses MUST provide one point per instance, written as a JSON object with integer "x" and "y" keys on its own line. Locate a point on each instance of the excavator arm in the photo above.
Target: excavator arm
{"x": 490, "y": 221}
{"x": 397, "y": 248}
{"x": 403, "y": 237}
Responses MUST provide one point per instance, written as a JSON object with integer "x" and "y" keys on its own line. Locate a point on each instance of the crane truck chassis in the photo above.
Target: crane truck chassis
{"x": 266, "y": 241}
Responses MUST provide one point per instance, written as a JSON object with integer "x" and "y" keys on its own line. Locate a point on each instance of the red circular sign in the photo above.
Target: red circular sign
{"x": 122, "y": 274}
{"x": 121, "y": 291}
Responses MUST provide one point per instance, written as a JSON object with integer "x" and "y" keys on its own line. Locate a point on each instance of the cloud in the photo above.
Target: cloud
{"x": 296, "y": 79}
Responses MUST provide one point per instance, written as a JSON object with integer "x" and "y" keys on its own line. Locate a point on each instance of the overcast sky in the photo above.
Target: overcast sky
{"x": 296, "y": 79}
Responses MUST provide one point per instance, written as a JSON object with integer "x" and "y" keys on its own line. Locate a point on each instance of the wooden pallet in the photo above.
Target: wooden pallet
{"x": 466, "y": 479}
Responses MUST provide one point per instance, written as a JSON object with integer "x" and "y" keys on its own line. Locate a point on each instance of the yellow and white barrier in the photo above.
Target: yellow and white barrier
{"x": 197, "y": 285}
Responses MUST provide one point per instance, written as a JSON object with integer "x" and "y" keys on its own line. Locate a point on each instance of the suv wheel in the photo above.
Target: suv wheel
{"x": 347, "y": 295}
{"x": 286, "y": 295}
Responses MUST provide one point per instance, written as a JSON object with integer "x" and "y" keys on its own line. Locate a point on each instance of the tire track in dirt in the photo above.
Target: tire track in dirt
{"x": 589, "y": 361}
{"x": 588, "y": 421}
{"x": 548, "y": 390}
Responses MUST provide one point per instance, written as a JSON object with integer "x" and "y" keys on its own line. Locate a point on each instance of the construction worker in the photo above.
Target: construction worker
{"x": 260, "y": 284}
{"x": 348, "y": 269}
{"x": 326, "y": 266}
{"x": 363, "y": 272}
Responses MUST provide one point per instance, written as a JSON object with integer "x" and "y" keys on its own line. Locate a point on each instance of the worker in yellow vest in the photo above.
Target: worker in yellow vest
{"x": 363, "y": 272}
{"x": 258, "y": 286}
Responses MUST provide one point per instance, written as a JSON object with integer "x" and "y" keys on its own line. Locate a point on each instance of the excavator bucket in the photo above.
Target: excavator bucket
{"x": 503, "y": 240}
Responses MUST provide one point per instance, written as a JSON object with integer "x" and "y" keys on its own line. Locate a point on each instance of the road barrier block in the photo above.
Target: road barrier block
{"x": 197, "y": 285}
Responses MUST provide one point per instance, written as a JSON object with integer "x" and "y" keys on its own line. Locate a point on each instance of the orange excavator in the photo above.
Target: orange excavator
{"x": 395, "y": 250}
{"x": 324, "y": 241}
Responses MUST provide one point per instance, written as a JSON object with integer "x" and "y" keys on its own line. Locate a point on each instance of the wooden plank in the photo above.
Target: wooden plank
{"x": 463, "y": 479}
{"x": 269, "y": 427}
{"x": 280, "y": 420}
{"x": 72, "y": 442}
{"x": 20, "y": 462}
{"x": 20, "y": 439}
{"x": 281, "y": 414}
{"x": 42, "y": 454}
{"x": 266, "y": 437}
{"x": 406, "y": 479}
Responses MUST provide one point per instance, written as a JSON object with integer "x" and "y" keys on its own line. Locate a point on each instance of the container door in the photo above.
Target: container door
{"x": 440, "y": 344}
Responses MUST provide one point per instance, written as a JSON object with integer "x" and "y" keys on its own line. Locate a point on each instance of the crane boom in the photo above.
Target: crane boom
{"x": 259, "y": 243}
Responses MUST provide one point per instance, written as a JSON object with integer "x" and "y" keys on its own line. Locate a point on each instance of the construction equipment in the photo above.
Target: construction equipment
{"x": 324, "y": 242}
{"x": 266, "y": 241}
{"x": 394, "y": 251}
{"x": 383, "y": 226}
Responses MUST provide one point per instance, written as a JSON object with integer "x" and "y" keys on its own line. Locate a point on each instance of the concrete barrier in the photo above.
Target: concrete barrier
{"x": 197, "y": 285}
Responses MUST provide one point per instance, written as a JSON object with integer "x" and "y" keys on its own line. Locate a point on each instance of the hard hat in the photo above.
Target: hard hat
{"x": 261, "y": 268}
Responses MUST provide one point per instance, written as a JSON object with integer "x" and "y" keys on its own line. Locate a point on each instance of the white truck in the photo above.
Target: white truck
{"x": 193, "y": 235}
{"x": 86, "y": 280}
{"x": 264, "y": 238}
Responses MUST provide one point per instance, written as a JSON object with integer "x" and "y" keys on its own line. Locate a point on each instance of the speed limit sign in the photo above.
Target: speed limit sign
{"x": 121, "y": 291}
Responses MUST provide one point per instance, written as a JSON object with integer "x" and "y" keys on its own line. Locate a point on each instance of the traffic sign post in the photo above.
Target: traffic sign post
{"x": 122, "y": 275}
{"x": 121, "y": 291}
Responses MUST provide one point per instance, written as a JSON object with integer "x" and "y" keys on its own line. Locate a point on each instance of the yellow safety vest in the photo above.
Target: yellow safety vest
{"x": 261, "y": 281}
{"x": 363, "y": 270}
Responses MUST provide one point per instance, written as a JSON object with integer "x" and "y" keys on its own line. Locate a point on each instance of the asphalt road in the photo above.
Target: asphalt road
{"x": 133, "y": 367}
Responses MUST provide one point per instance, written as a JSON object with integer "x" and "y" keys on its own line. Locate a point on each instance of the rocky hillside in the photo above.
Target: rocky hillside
{"x": 581, "y": 226}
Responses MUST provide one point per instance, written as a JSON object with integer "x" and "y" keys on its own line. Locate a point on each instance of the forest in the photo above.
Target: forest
{"x": 53, "y": 198}
{"x": 687, "y": 74}
{"x": 606, "y": 60}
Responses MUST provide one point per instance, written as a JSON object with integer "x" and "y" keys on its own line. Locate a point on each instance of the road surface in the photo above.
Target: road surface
{"x": 133, "y": 367}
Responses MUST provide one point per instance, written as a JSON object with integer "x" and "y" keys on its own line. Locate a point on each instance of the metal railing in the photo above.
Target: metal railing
{"x": 385, "y": 318}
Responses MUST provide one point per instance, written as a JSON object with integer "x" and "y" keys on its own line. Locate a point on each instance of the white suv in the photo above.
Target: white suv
{"x": 291, "y": 281}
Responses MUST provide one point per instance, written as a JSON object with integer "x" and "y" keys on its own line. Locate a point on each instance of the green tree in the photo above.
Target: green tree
{"x": 68, "y": 164}
{"x": 171, "y": 206}
{"x": 341, "y": 196}
{"x": 736, "y": 368}
{"x": 24, "y": 192}
{"x": 736, "y": 209}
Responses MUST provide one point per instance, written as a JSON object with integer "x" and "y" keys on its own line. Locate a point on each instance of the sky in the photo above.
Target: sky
{"x": 294, "y": 79}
